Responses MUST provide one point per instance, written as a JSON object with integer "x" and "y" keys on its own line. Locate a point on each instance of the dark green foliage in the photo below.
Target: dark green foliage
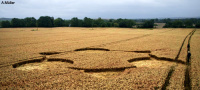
{"x": 156, "y": 20}
{"x": 104, "y": 24}
{"x": 109, "y": 24}
{"x": 30, "y": 22}
{"x": 122, "y": 23}
{"x": 177, "y": 24}
{"x": 167, "y": 20}
{"x": 87, "y": 22}
{"x": 148, "y": 24}
{"x": 98, "y": 22}
{"x": 15, "y": 22}
{"x": 116, "y": 25}
{"x": 45, "y": 21}
{"x": 59, "y": 22}
{"x": 67, "y": 23}
{"x": 182, "y": 23}
{"x": 129, "y": 23}
{"x": 168, "y": 25}
{"x": 125, "y": 23}
{"x": 197, "y": 25}
{"x": 75, "y": 22}
{"x": 188, "y": 23}
{"x": 95, "y": 25}
{"x": 5, "y": 24}
{"x": 80, "y": 23}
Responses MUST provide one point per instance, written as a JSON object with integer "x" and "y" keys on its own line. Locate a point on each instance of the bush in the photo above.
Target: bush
{"x": 116, "y": 25}
{"x": 197, "y": 25}
{"x": 148, "y": 24}
{"x": 5, "y": 24}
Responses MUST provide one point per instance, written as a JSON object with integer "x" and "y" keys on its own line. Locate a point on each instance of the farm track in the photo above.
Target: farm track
{"x": 194, "y": 63}
{"x": 187, "y": 82}
{"x": 55, "y": 44}
{"x": 172, "y": 68}
{"x": 71, "y": 51}
{"x": 115, "y": 42}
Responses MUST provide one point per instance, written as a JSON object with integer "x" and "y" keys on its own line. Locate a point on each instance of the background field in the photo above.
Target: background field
{"x": 97, "y": 58}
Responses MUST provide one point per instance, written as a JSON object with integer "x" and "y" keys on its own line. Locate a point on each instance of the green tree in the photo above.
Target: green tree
{"x": 116, "y": 25}
{"x": 197, "y": 25}
{"x": 111, "y": 20}
{"x": 15, "y": 22}
{"x": 87, "y": 22}
{"x": 177, "y": 24}
{"x": 148, "y": 24}
{"x": 75, "y": 22}
{"x": 109, "y": 24}
{"x": 188, "y": 24}
{"x": 156, "y": 20}
{"x": 80, "y": 23}
{"x": 98, "y": 22}
{"x": 45, "y": 21}
{"x": 59, "y": 22}
{"x": 104, "y": 24}
{"x": 130, "y": 23}
{"x": 67, "y": 23}
{"x": 125, "y": 23}
{"x": 5, "y": 24}
{"x": 167, "y": 20}
{"x": 122, "y": 23}
{"x": 30, "y": 22}
{"x": 182, "y": 23}
{"x": 168, "y": 23}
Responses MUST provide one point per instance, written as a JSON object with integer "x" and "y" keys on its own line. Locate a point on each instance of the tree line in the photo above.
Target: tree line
{"x": 182, "y": 23}
{"x": 47, "y": 21}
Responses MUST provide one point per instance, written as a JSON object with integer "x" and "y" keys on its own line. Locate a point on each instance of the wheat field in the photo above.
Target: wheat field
{"x": 99, "y": 58}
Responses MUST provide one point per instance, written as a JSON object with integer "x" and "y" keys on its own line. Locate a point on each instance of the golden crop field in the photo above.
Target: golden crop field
{"x": 99, "y": 58}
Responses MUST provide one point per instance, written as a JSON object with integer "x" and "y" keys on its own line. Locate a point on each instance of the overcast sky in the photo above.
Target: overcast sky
{"x": 130, "y": 9}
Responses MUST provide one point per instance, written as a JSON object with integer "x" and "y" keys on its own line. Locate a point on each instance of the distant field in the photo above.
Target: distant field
{"x": 99, "y": 58}
{"x": 160, "y": 25}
